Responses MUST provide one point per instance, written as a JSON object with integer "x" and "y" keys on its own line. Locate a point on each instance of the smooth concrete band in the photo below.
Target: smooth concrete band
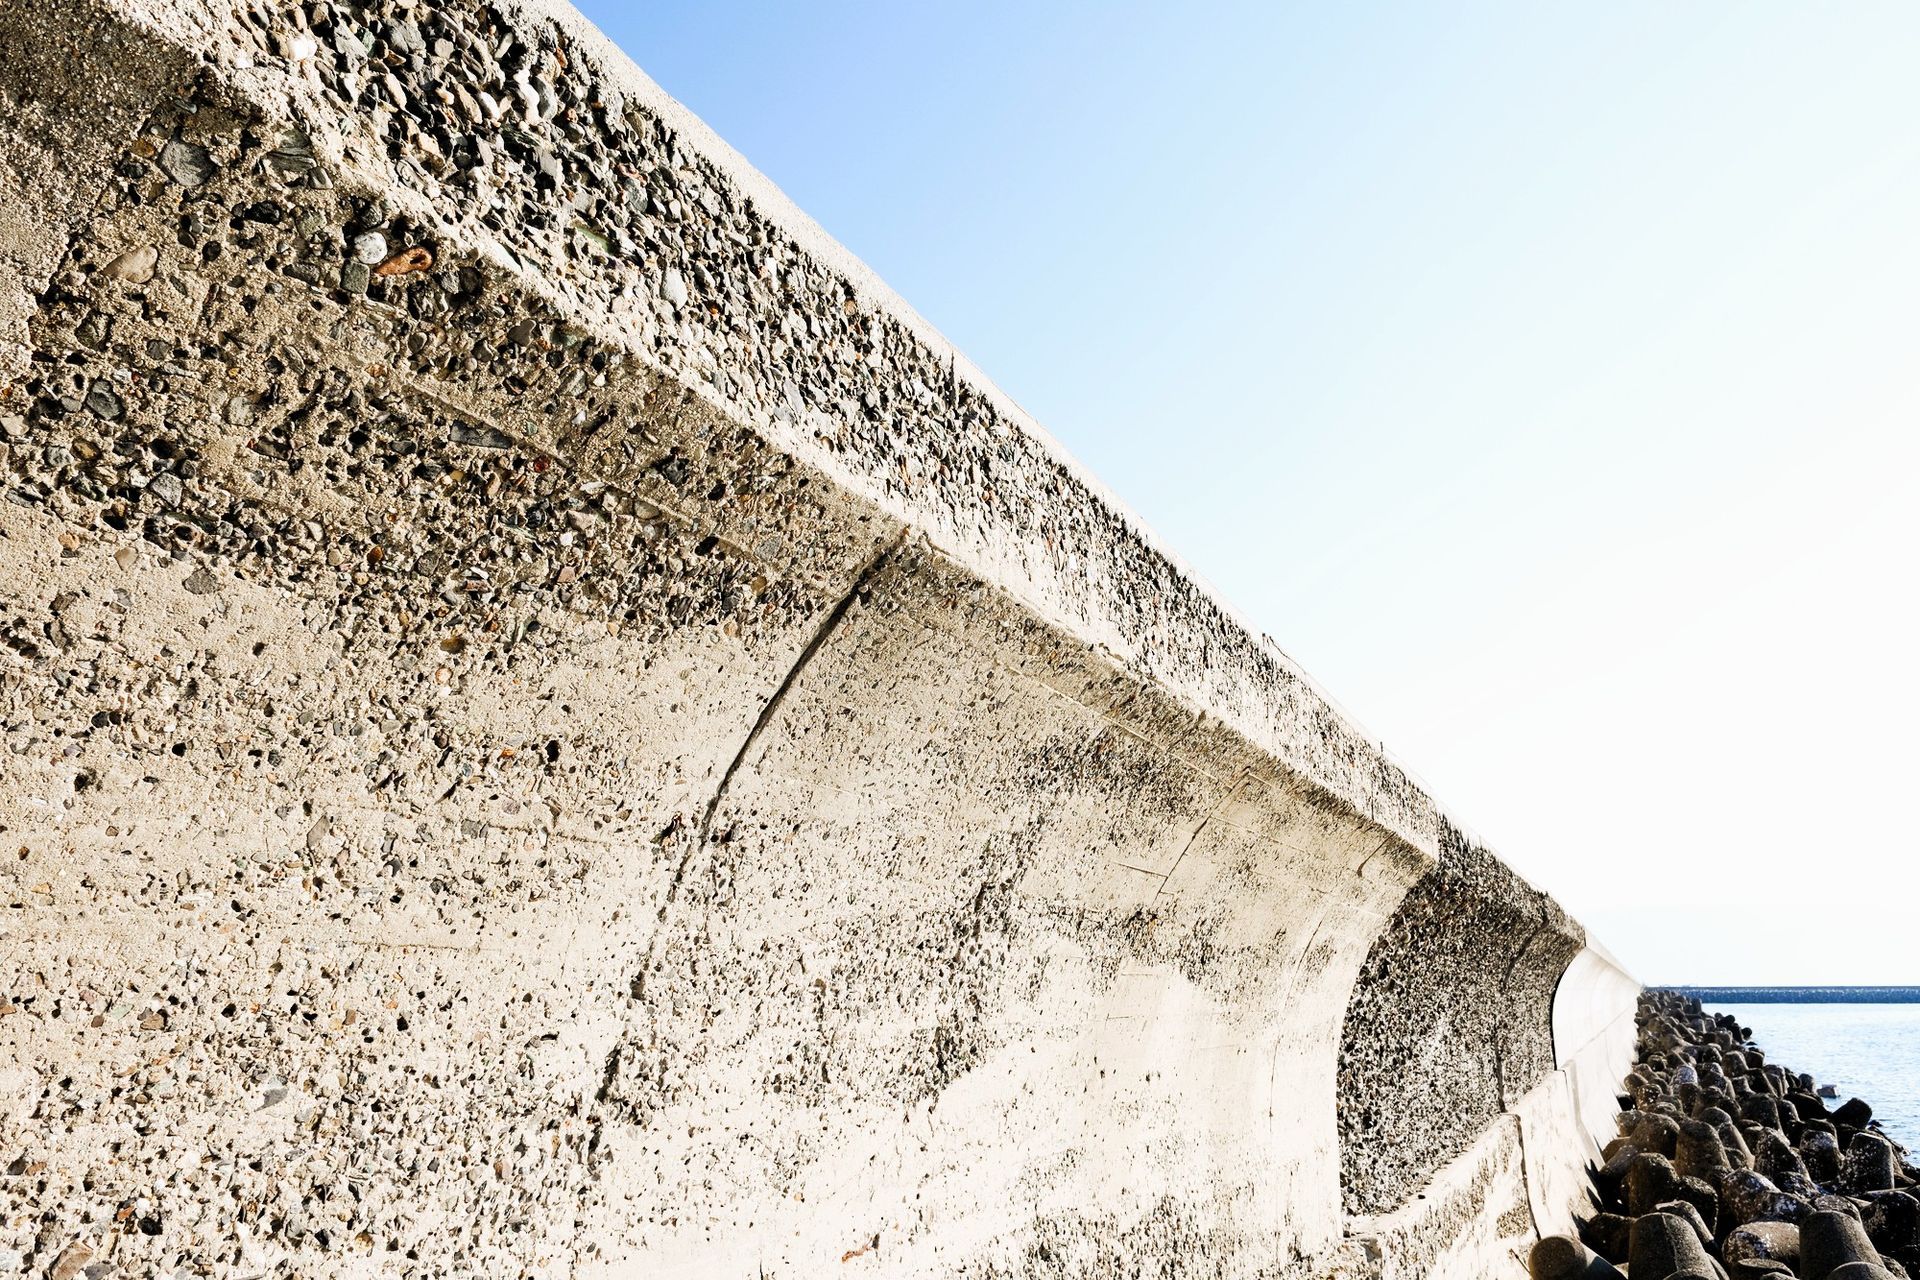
{"x": 555, "y": 728}
{"x": 1593, "y": 1035}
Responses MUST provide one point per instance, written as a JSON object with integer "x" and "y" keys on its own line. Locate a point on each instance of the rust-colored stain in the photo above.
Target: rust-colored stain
{"x": 406, "y": 262}
{"x": 851, "y": 1254}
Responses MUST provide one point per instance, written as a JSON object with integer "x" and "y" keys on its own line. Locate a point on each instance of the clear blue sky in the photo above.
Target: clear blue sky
{"x": 1542, "y": 377}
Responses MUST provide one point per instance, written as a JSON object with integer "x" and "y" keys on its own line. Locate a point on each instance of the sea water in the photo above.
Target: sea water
{"x": 1865, "y": 1051}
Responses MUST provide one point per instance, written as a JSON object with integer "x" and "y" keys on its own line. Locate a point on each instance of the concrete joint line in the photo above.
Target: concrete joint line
{"x": 1233, "y": 786}
{"x": 1526, "y": 1172}
{"x": 1500, "y": 1078}
{"x": 828, "y": 625}
{"x": 704, "y": 832}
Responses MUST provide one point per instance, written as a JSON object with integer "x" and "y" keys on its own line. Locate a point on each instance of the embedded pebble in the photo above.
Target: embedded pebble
{"x": 69, "y": 1263}
{"x": 673, "y": 287}
{"x": 406, "y": 262}
{"x": 135, "y": 266}
{"x": 105, "y": 402}
{"x": 187, "y": 163}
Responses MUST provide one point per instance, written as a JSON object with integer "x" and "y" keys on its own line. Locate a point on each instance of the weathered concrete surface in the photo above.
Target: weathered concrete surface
{"x": 552, "y": 727}
{"x": 1450, "y": 1021}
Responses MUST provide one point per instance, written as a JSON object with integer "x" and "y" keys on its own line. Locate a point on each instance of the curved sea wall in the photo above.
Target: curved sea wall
{"x": 553, "y": 727}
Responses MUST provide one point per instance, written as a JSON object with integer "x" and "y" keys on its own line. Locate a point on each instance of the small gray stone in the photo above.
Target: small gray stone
{"x": 166, "y": 487}
{"x": 105, "y": 402}
{"x": 313, "y": 273}
{"x": 479, "y": 436}
{"x": 187, "y": 164}
{"x": 94, "y": 330}
{"x": 201, "y": 583}
{"x": 405, "y": 38}
{"x": 370, "y": 247}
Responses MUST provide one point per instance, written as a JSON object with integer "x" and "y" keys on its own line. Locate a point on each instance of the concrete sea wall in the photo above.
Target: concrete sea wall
{"x": 551, "y": 726}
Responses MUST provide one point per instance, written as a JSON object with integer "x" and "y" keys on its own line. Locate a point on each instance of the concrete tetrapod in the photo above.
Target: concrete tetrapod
{"x": 1756, "y": 1184}
{"x": 1564, "y": 1258}
{"x": 1777, "y": 1242}
{"x": 1691, "y": 1213}
{"x": 1892, "y": 1219}
{"x": 1869, "y": 1164}
{"x": 1832, "y": 1241}
{"x": 1665, "y": 1244}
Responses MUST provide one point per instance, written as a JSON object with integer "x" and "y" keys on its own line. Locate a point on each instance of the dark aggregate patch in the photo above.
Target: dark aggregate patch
{"x": 1450, "y": 1020}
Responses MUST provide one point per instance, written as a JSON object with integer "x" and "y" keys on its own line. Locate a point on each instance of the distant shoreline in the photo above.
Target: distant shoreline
{"x": 1800, "y": 995}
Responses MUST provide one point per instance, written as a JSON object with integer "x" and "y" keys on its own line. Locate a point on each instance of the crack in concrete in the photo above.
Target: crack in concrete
{"x": 835, "y": 616}
{"x": 704, "y": 831}
{"x": 827, "y": 627}
{"x": 1232, "y": 788}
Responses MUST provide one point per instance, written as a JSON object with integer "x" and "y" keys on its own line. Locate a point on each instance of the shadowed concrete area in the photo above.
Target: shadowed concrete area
{"x": 553, "y": 727}
{"x": 1450, "y": 1021}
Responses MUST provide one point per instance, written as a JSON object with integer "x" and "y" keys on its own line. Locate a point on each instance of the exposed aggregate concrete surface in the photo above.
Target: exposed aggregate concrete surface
{"x": 1450, "y": 1021}
{"x": 551, "y": 726}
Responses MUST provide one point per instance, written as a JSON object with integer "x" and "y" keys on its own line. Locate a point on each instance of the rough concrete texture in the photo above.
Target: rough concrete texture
{"x": 552, "y": 727}
{"x": 1450, "y": 1021}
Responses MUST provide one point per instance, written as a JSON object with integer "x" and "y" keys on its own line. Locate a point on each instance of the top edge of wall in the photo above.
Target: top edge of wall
{"x": 1246, "y": 682}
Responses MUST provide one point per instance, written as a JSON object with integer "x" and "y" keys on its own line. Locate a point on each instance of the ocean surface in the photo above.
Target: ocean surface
{"x": 1866, "y": 1051}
